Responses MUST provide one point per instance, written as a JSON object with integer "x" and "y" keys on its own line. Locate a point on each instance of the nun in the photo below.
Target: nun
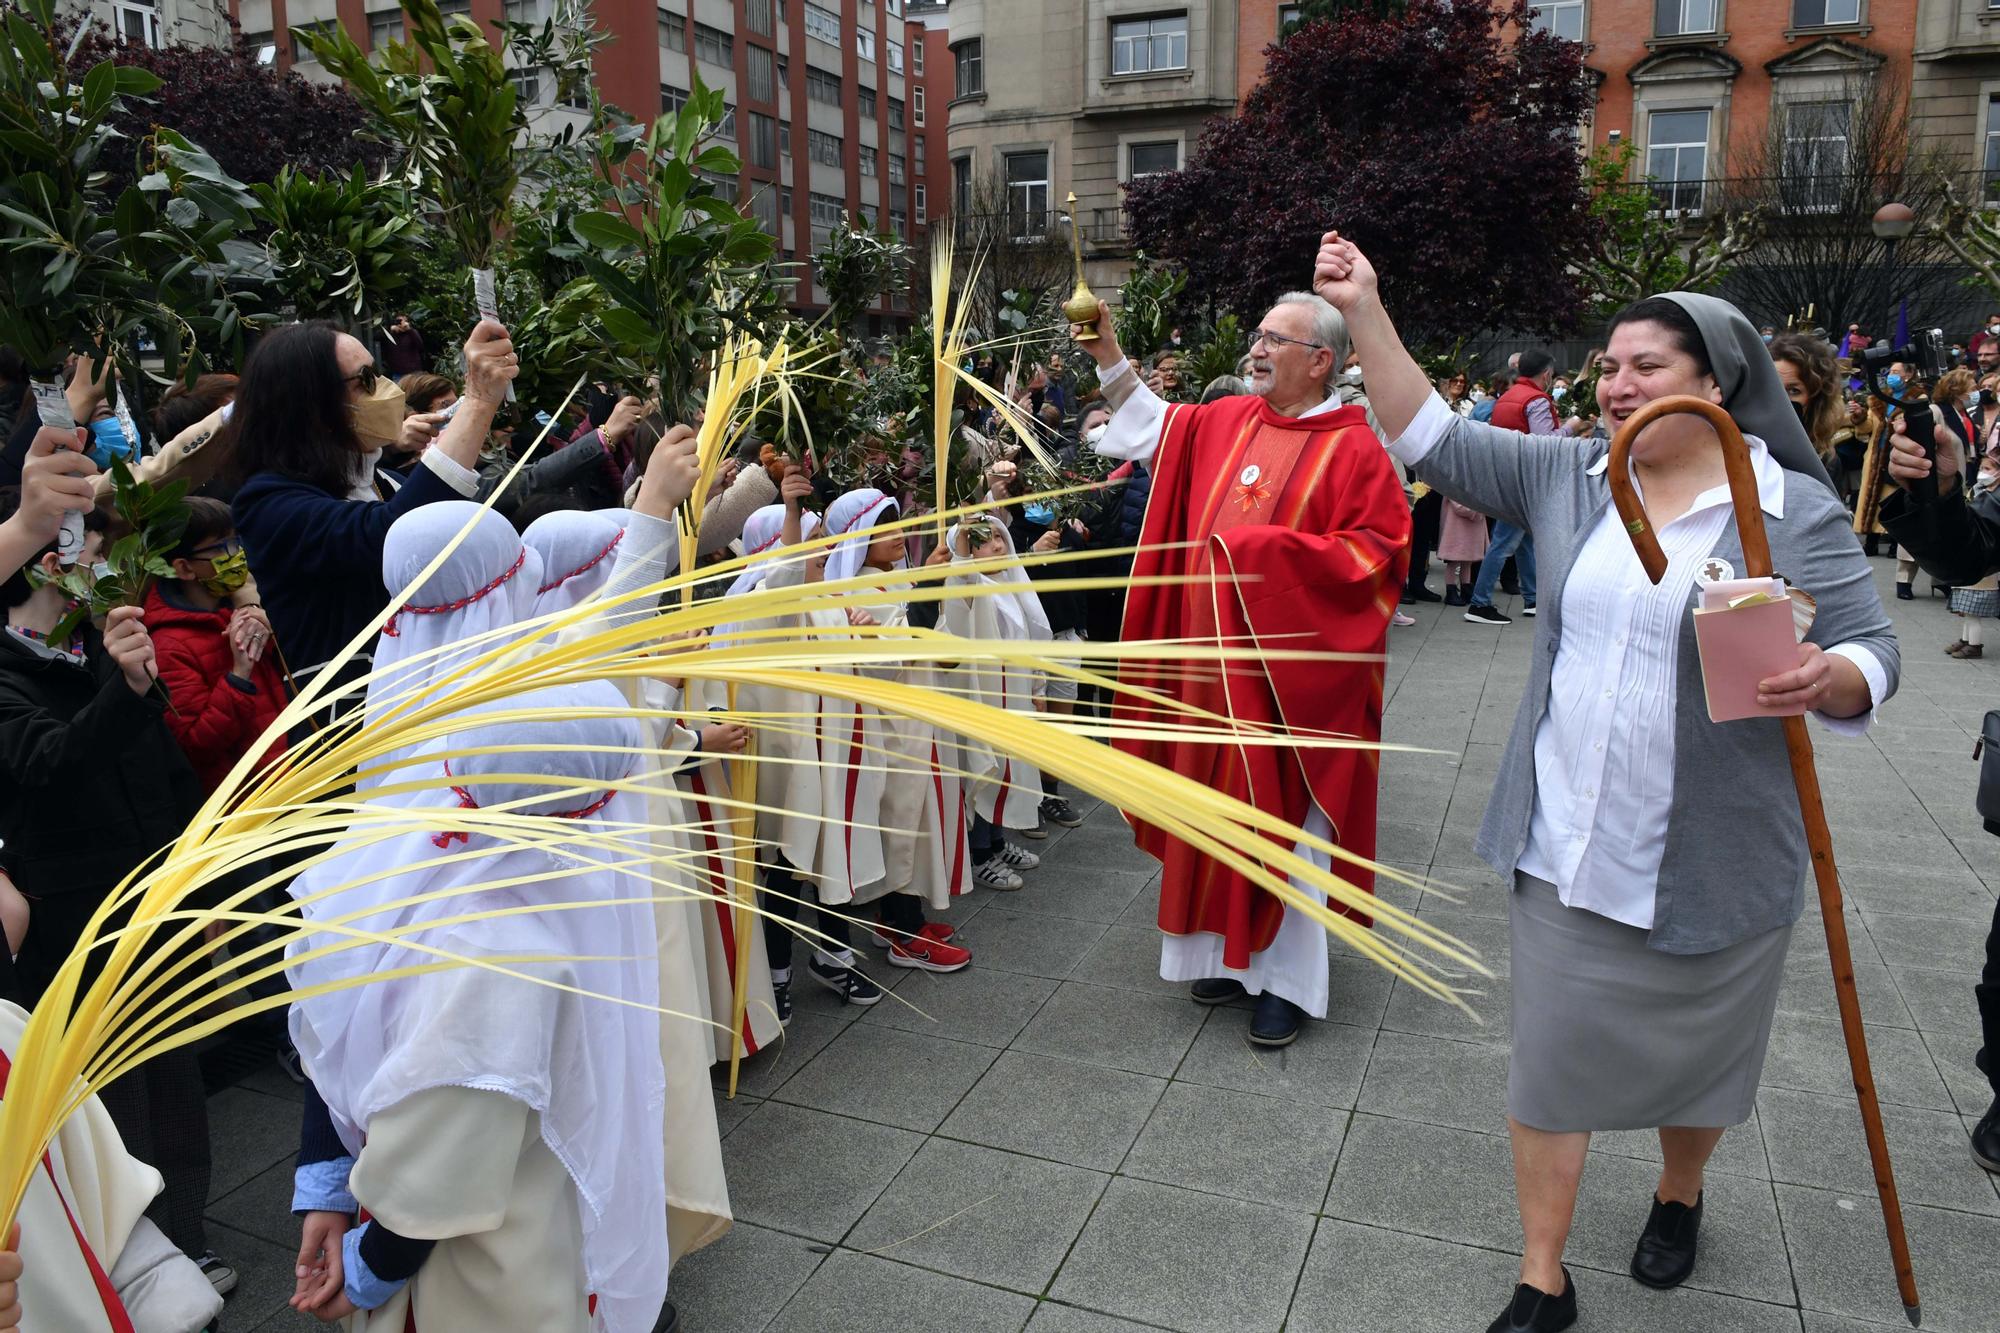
{"x": 1658, "y": 859}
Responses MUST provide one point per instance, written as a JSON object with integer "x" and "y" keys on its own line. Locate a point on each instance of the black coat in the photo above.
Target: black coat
{"x": 1954, "y": 540}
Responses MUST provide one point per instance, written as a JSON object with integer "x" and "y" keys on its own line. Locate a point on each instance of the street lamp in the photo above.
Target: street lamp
{"x": 1891, "y": 224}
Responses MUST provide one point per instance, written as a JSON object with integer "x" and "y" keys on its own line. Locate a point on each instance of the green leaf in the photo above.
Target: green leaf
{"x": 607, "y": 231}
{"x": 626, "y": 326}
{"x": 133, "y": 82}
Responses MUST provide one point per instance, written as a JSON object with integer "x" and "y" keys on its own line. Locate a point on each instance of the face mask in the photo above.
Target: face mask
{"x": 1044, "y": 515}
{"x": 1993, "y": 328}
{"x": 1893, "y": 383}
{"x": 232, "y": 571}
{"x": 1560, "y": 392}
{"x": 1799, "y": 409}
{"x": 378, "y": 418}
{"x": 101, "y": 570}
{"x": 1095, "y": 433}
{"x": 108, "y": 441}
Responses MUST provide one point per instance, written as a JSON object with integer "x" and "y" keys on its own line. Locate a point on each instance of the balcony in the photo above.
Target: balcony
{"x": 1798, "y": 195}
{"x": 1096, "y": 227}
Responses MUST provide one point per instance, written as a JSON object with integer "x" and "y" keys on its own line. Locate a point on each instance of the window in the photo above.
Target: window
{"x": 822, "y": 147}
{"x": 514, "y": 11}
{"x": 763, "y": 73}
{"x": 1993, "y": 147}
{"x": 827, "y": 211}
{"x": 261, "y": 44}
{"x": 301, "y": 53}
{"x": 727, "y": 129}
{"x": 923, "y": 205}
{"x": 867, "y": 160}
{"x": 672, "y": 99}
{"x": 1145, "y": 46}
{"x": 918, "y": 150}
{"x": 450, "y": 7}
{"x": 785, "y": 137}
{"x": 864, "y": 43}
{"x": 763, "y": 145}
{"x": 1564, "y": 18}
{"x": 1677, "y": 158}
{"x": 714, "y": 45}
{"x": 917, "y": 104}
{"x": 1288, "y": 17}
{"x": 384, "y": 29}
{"x": 899, "y": 222}
{"x": 673, "y": 32}
{"x": 893, "y": 6}
{"x": 1027, "y": 176}
{"x": 895, "y": 113}
{"x": 917, "y": 56}
{"x": 527, "y": 86}
{"x": 822, "y": 86}
{"x": 971, "y": 69}
{"x": 898, "y": 171}
{"x": 895, "y": 56}
{"x": 1672, "y": 18}
{"x": 822, "y": 23}
{"x": 961, "y": 182}
{"x": 1815, "y": 155}
{"x": 138, "y": 22}
{"x": 1825, "y": 13}
{"x": 578, "y": 97}
{"x": 1151, "y": 159}
{"x": 764, "y": 207}
{"x": 757, "y": 17}
{"x": 865, "y": 99}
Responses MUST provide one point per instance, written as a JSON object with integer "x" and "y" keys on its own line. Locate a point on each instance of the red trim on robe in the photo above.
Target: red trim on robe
{"x": 718, "y": 875}
{"x": 1307, "y": 552}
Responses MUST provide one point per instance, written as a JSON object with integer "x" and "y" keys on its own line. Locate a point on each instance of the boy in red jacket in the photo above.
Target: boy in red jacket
{"x": 225, "y": 684}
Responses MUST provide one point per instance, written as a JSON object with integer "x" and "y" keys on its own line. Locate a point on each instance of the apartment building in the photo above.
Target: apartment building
{"x": 161, "y": 22}
{"x": 1955, "y": 90}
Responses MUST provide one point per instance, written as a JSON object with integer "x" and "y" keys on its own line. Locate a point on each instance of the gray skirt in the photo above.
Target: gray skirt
{"x": 1609, "y": 1034}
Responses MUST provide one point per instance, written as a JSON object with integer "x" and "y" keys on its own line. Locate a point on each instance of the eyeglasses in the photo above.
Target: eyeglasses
{"x": 225, "y": 547}
{"x": 1279, "y": 339}
{"x": 367, "y": 377}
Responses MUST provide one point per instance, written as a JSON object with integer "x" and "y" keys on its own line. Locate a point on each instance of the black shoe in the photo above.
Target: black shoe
{"x": 1215, "y": 990}
{"x": 1479, "y": 614}
{"x": 1452, "y": 596}
{"x": 1528, "y": 610}
{"x": 1275, "y": 1021}
{"x": 670, "y": 1320}
{"x": 1057, "y": 810}
{"x": 1511, "y": 587}
{"x": 848, "y": 984}
{"x": 1986, "y": 1139}
{"x": 1038, "y": 832}
{"x": 1666, "y": 1252}
{"x": 1535, "y": 1311}
{"x": 218, "y": 1272}
{"x": 1406, "y": 599}
{"x": 1870, "y": 546}
{"x": 1904, "y": 593}
{"x": 1420, "y": 593}
{"x": 781, "y": 1000}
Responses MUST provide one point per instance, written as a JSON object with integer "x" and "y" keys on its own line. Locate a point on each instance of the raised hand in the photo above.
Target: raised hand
{"x": 490, "y": 363}
{"x": 1342, "y": 275}
{"x": 671, "y": 473}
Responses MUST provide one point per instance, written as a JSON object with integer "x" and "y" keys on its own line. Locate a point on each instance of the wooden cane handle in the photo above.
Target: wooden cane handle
{"x": 1735, "y": 461}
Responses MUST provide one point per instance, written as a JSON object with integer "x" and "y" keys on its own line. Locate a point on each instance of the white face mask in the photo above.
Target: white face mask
{"x": 1096, "y": 433}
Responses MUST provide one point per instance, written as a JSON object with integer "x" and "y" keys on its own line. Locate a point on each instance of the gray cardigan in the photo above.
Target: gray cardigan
{"x": 1736, "y": 859}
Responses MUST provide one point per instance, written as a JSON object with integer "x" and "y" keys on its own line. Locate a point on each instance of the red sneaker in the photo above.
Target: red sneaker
{"x": 929, "y": 955}
{"x": 939, "y": 931}
{"x": 885, "y": 936}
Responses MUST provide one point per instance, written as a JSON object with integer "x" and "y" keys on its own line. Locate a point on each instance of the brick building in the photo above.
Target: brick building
{"x": 830, "y": 104}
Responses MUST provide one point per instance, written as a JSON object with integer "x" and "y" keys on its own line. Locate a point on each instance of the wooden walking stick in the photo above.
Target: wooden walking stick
{"x": 1757, "y": 564}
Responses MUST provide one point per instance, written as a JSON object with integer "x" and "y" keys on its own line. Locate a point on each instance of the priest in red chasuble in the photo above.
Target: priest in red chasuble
{"x": 1285, "y": 508}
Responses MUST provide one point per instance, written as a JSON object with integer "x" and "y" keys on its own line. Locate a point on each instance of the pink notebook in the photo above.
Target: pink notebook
{"x": 1742, "y": 645}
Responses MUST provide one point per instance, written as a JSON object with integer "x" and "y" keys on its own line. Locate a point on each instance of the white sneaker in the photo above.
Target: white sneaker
{"x": 993, "y": 873}
{"x": 1016, "y": 856}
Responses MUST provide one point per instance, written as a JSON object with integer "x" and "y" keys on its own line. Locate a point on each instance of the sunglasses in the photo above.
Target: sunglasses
{"x": 367, "y": 378}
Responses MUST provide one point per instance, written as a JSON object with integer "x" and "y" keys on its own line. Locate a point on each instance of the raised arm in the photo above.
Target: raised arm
{"x": 1137, "y": 413}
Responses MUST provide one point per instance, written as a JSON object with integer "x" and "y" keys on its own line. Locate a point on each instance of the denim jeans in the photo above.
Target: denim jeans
{"x": 1507, "y": 540}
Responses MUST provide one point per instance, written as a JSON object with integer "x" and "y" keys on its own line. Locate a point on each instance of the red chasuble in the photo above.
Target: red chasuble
{"x": 1300, "y": 539}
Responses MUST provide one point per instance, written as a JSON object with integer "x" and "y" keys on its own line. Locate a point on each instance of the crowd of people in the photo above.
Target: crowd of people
{"x": 460, "y": 1127}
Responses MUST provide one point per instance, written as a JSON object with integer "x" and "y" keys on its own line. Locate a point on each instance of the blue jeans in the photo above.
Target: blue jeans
{"x": 1506, "y": 540}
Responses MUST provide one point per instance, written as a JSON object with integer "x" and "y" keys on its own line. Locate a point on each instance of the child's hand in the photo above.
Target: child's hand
{"x": 319, "y": 1272}
{"x": 724, "y": 738}
{"x": 1049, "y": 540}
{"x": 855, "y": 617}
{"x": 335, "y": 1310}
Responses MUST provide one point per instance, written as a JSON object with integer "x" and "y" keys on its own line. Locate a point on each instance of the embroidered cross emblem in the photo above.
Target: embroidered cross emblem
{"x": 1714, "y": 572}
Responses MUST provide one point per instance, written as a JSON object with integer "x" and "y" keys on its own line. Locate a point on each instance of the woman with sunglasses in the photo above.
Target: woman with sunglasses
{"x": 313, "y": 414}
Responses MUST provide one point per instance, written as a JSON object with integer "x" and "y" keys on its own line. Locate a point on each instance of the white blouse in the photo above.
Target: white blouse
{"x": 1604, "y": 751}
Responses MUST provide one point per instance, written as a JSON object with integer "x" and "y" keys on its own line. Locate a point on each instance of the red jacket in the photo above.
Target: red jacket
{"x": 1511, "y": 412}
{"x": 214, "y": 720}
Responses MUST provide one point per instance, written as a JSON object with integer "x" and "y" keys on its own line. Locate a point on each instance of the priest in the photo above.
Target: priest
{"x": 1284, "y": 509}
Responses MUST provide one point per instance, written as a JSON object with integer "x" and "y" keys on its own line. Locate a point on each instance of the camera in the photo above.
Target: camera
{"x": 1925, "y": 354}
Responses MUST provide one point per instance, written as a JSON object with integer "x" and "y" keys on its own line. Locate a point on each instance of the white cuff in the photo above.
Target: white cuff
{"x": 1421, "y": 436}
{"x": 1878, "y": 690}
{"x": 454, "y": 473}
{"x": 1121, "y": 369}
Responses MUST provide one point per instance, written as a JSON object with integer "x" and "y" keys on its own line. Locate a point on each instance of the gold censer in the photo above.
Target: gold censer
{"x": 1081, "y": 308}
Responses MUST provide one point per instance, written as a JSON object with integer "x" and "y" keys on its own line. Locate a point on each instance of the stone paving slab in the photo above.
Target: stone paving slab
{"x": 1056, "y": 1141}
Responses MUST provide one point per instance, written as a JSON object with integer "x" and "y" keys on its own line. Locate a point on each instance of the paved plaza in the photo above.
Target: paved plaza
{"x": 1056, "y": 1140}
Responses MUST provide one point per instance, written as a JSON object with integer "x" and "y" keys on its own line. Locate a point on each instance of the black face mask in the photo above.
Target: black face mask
{"x": 599, "y": 404}
{"x": 1800, "y": 408}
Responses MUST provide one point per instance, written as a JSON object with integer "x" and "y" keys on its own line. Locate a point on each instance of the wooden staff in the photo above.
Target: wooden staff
{"x": 1798, "y": 745}
{"x": 1874, "y": 476}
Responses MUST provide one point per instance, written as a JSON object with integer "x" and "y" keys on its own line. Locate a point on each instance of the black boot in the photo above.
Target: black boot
{"x": 1535, "y": 1311}
{"x": 1904, "y": 593}
{"x": 1666, "y": 1252}
{"x": 1275, "y": 1021}
{"x": 1986, "y": 1139}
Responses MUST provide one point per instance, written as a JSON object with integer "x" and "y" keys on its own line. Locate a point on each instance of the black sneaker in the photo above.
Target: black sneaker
{"x": 218, "y": 1272}
{"x": 781, "y": 1000}
{"x": 1038, "y": 831}
{"x": 1420, "y": 593}
{"x": 1986, "y": 1139}
{"x": 1481, "y": 614}
{"x": 1056, "y": 810}
{"x": 848, "y": 984}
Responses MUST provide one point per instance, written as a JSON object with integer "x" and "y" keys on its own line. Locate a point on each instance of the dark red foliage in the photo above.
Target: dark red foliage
{"x": 1441, "y": 139}
{"x": 245, "y": 115}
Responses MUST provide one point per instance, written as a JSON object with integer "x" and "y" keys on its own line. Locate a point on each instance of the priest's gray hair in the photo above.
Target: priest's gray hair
{"x": 1329, "y": 327}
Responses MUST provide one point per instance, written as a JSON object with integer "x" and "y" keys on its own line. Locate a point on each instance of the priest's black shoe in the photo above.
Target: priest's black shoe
{"x": 1665, "y": 1256}
{"x": 1535, "y": 1311}
{"x": 1986, "y": 1139}
{"x": 1420, "y": 593}
{"x": 1215, "y": 990}
{"x": 1275, "y": 1021}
